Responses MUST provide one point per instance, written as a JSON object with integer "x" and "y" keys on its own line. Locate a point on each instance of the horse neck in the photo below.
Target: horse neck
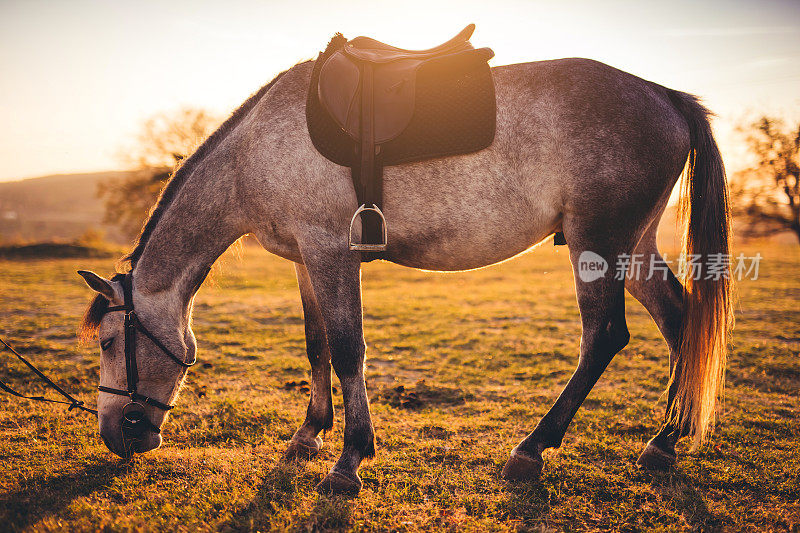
{"x": 200, "y": 223}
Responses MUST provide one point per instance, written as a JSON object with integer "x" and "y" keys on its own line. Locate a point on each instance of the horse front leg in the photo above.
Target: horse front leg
{"x": 605, "y": 333}
{"x": 306, "y": 443}
{"x": 336, "y": 278}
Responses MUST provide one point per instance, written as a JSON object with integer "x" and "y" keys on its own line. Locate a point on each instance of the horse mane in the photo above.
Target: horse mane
{"x": 100, "y": 304}
{"x": 184, "y": 170}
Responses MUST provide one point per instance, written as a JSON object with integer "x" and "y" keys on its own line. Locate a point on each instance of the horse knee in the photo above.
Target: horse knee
{"x": 618, "y": 335}
{"x": 319, "y": 414}
{"x": 347, "y": 353}
{"x": 315, "y": 348}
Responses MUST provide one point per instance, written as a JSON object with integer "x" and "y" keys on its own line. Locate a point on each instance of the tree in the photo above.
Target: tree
{"x": 164, "y": 140}
{"x": 766, "y": 196}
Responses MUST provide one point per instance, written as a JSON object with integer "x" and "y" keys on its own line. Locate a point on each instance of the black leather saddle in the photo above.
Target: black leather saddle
{"x": 371, "y": 104}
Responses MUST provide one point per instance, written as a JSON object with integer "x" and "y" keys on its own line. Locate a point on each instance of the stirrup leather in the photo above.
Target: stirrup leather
{"x": 362, "y": 247}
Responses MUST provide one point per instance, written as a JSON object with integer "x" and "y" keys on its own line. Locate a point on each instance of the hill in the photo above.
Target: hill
{"x": 58, "y": 207}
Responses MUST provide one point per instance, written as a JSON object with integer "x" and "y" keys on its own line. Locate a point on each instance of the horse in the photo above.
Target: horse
{"x": 580, "y": 147}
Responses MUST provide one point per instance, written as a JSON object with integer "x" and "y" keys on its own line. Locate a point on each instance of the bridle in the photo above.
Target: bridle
{"x": 134, "y": 419}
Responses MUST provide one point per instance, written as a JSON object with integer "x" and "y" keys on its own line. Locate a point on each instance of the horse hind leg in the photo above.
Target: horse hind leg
{"x": 306, "y": 443}
{"x": 605, "y": 333}
{"x": 662, "y": 295}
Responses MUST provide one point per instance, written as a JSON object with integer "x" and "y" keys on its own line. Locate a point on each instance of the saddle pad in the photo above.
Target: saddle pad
{"x": 453, "y": 112}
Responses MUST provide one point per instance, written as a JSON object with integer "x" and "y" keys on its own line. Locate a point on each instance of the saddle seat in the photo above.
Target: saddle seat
{"x": 368, "y": 49}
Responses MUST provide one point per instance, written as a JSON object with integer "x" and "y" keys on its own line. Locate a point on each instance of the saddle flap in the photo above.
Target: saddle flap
{"x": 338, "y": 91}
{"x": 393, "y": 95}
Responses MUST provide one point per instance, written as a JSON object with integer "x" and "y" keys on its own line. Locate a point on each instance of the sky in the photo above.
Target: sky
{"x": 78, "y": 78}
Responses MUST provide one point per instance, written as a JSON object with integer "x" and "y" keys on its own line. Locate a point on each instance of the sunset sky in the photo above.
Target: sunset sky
{"x": 78, "y": 77}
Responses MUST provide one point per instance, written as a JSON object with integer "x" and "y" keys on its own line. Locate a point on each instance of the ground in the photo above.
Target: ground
{"x": 480, "y": 356}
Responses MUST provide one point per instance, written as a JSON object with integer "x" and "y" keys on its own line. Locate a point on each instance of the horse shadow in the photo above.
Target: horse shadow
{"x": 46, "y": 495}
{"x": 678, "y": 489}
{"x": 526, "y": 502}
{"x": 281, "y": 491}
{"x": 531, "y": 502}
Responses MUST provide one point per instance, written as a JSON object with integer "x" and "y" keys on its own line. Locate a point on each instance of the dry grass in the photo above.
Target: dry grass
{"x": 493, "y": 349}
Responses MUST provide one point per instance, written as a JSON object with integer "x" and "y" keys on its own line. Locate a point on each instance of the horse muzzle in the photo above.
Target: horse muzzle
{"x": 134, "y": 433}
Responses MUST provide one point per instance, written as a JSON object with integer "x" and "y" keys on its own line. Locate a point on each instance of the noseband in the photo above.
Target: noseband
{"x": 134, "y": 419}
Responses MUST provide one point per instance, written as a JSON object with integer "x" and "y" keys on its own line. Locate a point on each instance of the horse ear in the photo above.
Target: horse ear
{"x": 95, "y": 282}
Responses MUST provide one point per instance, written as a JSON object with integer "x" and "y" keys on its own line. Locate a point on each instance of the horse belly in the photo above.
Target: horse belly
{"x": 459, "y": 234}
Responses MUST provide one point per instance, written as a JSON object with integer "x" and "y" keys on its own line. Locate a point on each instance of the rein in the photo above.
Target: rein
{"x": 73, "y": 402}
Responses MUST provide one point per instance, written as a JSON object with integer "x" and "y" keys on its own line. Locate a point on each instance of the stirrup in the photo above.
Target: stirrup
{"x": 360, "y": 247}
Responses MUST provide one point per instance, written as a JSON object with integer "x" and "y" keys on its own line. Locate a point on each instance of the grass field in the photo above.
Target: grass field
{"x": 486, "y": 352}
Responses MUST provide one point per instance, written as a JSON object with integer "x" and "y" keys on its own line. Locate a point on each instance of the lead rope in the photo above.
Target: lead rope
{"x": 73, "y": 402}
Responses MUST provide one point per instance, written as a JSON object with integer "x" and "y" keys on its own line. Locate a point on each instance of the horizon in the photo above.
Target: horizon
{"x": 80, "y": 78}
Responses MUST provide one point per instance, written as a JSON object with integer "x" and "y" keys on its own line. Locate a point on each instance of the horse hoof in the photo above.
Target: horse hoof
{"x": 302, "y": 450}
{"x": 338, "y": 484}
{"x": 655, "y": 459}
{"x": 522, "y": 467}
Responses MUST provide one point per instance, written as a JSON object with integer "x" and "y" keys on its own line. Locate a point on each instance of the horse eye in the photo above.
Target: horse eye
{"x": 106, "y": 344}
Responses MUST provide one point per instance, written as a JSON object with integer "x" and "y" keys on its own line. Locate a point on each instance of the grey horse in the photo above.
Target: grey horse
{"x": 580, "y": 147}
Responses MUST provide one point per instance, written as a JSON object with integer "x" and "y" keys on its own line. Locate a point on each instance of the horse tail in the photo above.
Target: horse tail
{"x": 704, "y": 212}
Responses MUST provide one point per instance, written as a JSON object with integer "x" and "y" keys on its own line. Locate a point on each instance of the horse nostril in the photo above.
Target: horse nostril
{"x": 134, "y": 421}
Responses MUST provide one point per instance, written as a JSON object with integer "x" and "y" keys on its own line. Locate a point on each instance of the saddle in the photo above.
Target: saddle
{"x": 371, "y": 104}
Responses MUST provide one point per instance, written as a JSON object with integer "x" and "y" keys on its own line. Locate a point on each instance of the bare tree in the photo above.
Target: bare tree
{"x": 163, "y": 142}
{"x": 766, "y": 197}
